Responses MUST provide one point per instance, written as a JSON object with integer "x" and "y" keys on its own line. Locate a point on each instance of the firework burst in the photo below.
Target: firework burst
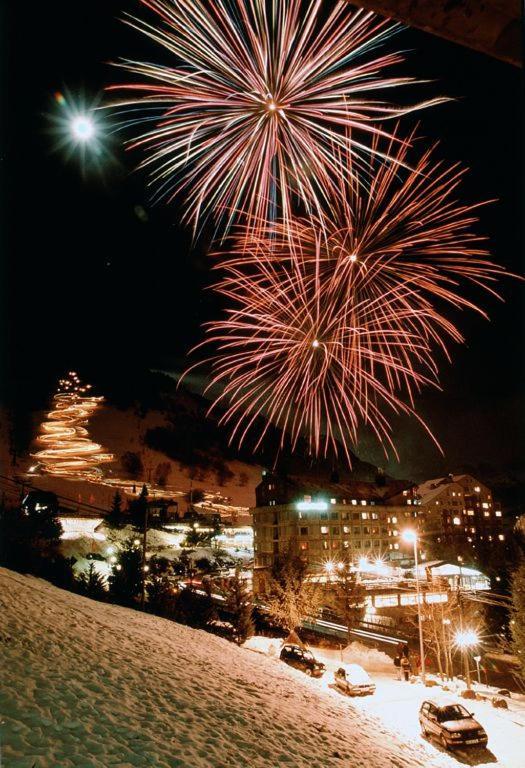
{"x": 260, "y": 97}
{"x": 335, "y": 323}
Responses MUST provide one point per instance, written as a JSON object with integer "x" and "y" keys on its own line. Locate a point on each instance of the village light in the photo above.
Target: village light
{"x": 465, "y": 639}
{"x": 363, "y": 562}
{"x": 410, "y": 536}
{"x": 136, "y": 542}
{"x": 329, "y": 567}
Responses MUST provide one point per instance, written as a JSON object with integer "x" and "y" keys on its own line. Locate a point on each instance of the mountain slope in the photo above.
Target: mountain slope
{"x": 92, "y": 685}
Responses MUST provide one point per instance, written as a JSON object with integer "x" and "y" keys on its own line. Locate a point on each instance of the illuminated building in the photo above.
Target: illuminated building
{"x": 460, "y": 511}
{"x": 325, "y": 521}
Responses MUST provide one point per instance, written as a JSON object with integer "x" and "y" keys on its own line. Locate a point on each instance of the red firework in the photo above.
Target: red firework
{"x": 259, "y": 100}
{"x": 335, "y": 322}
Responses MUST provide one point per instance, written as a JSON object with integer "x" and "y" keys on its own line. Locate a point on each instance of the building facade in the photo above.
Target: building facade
{"x": 459, "y": 511}
{"x": 331, "y": 521}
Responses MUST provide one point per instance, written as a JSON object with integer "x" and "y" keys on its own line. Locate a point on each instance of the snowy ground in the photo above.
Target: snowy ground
{"x": 397, "y": 704}
{"x": 94, "y": 685}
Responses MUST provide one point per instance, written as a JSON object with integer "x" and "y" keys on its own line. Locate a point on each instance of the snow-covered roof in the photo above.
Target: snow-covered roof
{"x": 430, "y": 489}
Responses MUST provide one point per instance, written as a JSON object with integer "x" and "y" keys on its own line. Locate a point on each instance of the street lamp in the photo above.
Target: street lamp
{"x": 466, "y": 639}
{"x": 410, "y": 537}
{"x": 477, "y": 659}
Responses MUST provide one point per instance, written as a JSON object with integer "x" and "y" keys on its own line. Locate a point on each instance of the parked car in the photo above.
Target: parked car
{"x": 302, "y": 659}
{"x": 354, "y": 680}
{"x": 452, "y": 724}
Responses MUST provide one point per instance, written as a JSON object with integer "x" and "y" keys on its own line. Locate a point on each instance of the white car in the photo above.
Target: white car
{"x": 354, "y": 680}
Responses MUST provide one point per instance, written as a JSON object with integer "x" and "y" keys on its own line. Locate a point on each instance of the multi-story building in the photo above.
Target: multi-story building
{"x": 460, "y": 512}
{"x": 330, "y": 521}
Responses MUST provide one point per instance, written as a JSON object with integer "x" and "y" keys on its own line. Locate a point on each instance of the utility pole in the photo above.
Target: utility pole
{"x": 144, "y": 547}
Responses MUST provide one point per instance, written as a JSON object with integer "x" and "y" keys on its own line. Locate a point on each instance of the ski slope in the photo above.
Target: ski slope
{"x": 94, "y": 685}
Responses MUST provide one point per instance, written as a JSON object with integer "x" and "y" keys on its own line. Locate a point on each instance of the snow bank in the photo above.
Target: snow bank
{"x": 95, "y": 685}
{"x": 356, "y": 653}
{"x": 271, "y": 646}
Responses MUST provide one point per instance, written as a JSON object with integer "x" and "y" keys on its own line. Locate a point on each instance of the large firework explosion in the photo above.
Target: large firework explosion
{"x": 335, "y": 322}
{"x": 259, "y": 98}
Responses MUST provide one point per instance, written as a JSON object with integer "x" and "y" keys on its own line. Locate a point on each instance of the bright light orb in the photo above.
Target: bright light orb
{"x": 315, "y": 343}
{"x": 409, "y": 536}
{"x": 467, "y": 638}
{"x": 363, "y": 562}
{"x": 353, "y": 257}
{"x": 329, "y": 567}
{"x": 82, "y": 128}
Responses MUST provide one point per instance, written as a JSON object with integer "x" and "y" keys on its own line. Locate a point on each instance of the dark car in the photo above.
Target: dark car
{"x": 302, "y": 659}
{"x": 451, "y": 724}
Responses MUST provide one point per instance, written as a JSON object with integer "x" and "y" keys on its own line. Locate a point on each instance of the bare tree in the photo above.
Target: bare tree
{"x": 349, "y": 595}
{"x": 291, "y": 598}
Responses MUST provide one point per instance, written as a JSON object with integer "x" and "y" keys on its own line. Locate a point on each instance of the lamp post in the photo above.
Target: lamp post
{"x": 477, "y": 659}
{"x": 466, "y": 639}
{"x": 410, "y": 537}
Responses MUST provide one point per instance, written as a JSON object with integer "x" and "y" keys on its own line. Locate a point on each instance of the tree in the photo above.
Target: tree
{"x": 349, "y": 596}
{"x": 194, "y": 608}
{"x": 161, "y": 587}
{"x": 132, "y": 464}
{"x": 92, "y": 584}
{"x": 138, "y": 508}
{"x": 115, "y": 518}
{"x": 517, "y": 614}
{"x": 239, "y": 606}
{"x": 290, "y": 597}
{"x": 125, "y": 579}
{"x": 28, "y": 537}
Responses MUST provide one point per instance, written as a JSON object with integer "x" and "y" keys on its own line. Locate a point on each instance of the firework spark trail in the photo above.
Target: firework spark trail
{"x": 335, "y": 323}
{"x": 259, "y": 98}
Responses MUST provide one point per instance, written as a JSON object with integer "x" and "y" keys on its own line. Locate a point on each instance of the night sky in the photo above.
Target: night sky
{"x": 97, "y": 279}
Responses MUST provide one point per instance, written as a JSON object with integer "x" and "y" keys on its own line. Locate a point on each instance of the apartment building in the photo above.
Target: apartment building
{"x": 330, "y": 521}
{"x": 460, "y": 511}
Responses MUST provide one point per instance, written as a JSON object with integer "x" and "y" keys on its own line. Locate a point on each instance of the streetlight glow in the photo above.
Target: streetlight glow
{"x": 466, "y": 638}
{"x": 409, "y": 536}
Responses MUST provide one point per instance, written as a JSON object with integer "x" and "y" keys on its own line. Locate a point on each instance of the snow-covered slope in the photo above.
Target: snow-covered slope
{"x": 94, "y": 685}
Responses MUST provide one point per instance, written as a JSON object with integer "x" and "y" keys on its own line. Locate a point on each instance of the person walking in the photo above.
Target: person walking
{"x": 405, "y": 667}
{"x": 397, "y": 666}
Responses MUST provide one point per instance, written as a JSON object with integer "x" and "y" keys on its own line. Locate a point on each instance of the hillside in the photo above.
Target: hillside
{"x": 92, "y": 685}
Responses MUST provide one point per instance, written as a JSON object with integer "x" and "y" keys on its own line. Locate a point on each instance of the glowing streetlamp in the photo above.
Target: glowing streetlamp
{"x": 410, "y": 536}
{"x": 465, "y": 639}
{"x": 329, "y": 567}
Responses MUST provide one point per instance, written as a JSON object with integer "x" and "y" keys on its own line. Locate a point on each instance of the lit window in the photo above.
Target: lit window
{"x": 473, "y": 530}
{"x": 394, "y": 532}
{"x": 457, "y": 521}
{"x": 346, "y": 544}
{"x": 470, "y": 512}
{"x": 354, "y": 501}
{"x": 501, "y": 537}
{"x": 364, "y": 515}
{"x": 498, "y": 513}
{"x": 487, "y": 514}
{"x": 363, "y": 503}
{"x": 332, "y": 501}
{"x": 405, "y": 493}
{"x": 304, "y": 545}
{"x": 453, "y": 493}
{"x": 485, "y": 505}
{"x": 477, "y": 489}
{"x": 396, "y": 546}
{"x": 437, "y": 502}
{"x": 346, "y": 529}
{"x": 394, "y": 520}
{"x": 325, "y": 545}
{"x": 324, "y": 529}
{"x": 409, "y": 501}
